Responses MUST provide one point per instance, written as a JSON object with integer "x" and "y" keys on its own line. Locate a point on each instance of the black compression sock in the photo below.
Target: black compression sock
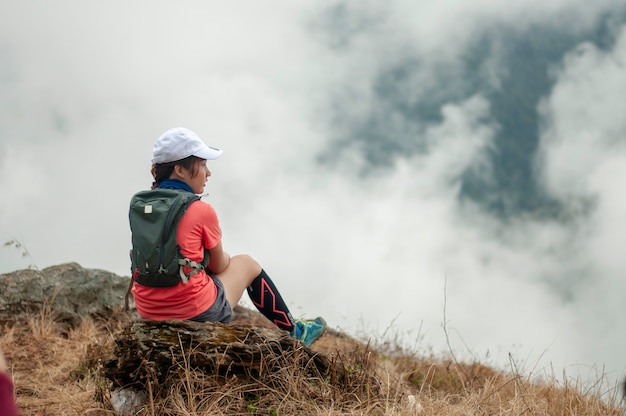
{"x": 268, "y": 301}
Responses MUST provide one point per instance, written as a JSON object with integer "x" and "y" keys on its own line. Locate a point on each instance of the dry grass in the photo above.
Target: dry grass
{"x": 57, "y": 370}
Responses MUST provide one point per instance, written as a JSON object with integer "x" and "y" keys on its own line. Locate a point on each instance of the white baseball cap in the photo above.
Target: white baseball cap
{"x": 179, "y": 143}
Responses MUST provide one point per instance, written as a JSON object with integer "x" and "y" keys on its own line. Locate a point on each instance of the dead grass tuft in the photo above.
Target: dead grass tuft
{"x": 448, "y": 377}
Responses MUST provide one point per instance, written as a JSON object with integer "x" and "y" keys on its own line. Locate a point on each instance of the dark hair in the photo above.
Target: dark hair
{"x": 163, "y": 171}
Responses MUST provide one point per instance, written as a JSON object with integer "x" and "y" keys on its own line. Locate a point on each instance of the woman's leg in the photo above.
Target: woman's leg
{"x": 243, "y": 273}
{"x": 268, "y": 301}
{"x": 239, "y": 274}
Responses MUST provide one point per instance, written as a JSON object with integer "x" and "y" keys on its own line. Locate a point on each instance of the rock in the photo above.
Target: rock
{"x": 127, "y": 402}
{"x": 68, "y": 291}
{"x": 150, "y": 351}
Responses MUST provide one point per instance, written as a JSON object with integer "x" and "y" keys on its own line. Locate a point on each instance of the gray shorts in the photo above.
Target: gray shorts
{"x": 220, "y": 311}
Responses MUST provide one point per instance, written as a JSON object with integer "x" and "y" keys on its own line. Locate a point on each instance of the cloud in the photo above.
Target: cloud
{"x": 585, "y": 124}
{"x": 583, "y": 155}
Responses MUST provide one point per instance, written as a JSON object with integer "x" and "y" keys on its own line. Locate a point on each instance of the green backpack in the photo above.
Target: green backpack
{"x": 155, "y": 257}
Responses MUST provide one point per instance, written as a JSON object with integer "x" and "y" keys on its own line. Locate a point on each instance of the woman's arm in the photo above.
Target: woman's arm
{"x": 218, "y": 259}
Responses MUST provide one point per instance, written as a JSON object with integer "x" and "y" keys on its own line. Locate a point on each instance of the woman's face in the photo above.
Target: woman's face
{"x": 197, "y": 181}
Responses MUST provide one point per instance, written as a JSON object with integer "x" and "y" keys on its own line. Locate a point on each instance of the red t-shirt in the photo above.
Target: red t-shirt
{"x": 7, "y": 403}
{"x": 198, "y": 228}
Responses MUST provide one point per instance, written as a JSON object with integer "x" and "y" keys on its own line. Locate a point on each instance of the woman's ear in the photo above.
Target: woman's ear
{"x": 179, "y": 171}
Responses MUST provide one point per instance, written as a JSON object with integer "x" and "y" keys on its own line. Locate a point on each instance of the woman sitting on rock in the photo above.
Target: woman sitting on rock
{"x": 204, "y": 293}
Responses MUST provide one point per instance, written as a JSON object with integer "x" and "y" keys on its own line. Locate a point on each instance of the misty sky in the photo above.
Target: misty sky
{"x": 285, "y": 88}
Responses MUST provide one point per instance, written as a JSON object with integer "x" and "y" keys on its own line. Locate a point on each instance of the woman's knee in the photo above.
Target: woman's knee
{"x": 249, "y": 265}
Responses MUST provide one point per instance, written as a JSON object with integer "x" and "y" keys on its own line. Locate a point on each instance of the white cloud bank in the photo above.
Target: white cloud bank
{"x": 85, "y": 89}
{"x": 583, "y": 158}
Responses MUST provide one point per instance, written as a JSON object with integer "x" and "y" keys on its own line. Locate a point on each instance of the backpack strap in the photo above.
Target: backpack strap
{"x": 196, "y": 267}
{"x": 130, "y": 288}
{"x": 128, "y": 295}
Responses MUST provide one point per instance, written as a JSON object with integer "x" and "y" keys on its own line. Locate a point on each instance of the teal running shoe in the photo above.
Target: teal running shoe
{"x": 308, "y": 331}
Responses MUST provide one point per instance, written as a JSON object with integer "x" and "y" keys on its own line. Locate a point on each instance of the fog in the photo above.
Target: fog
{"x": 379, "y": 251}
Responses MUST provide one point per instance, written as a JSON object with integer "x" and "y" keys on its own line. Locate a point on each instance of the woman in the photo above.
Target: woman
{"x": 180, "y": 162}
